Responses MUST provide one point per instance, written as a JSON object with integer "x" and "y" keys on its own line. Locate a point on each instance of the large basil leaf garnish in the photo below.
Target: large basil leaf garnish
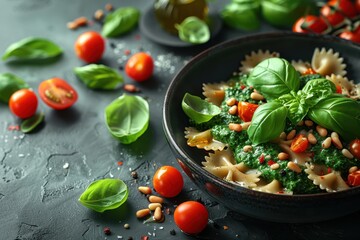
{"x": 120, "y": 21}
{"x": 127, "y": 118}
{"x": 32, "y": 48}
{"x": 97, "y": 76}
{"x": 104, "y": 194}
{"x": 10, "y": 83}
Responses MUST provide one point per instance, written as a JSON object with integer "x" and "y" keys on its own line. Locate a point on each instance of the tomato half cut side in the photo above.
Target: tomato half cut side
{"x": 57, "y": 93}
{"x": 299, "y": 143}
{"x": 354, "y": 178}
{"x": 246, "y": 110}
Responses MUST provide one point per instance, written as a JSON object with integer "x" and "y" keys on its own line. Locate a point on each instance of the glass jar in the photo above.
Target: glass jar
{"x": 171, "y": 12}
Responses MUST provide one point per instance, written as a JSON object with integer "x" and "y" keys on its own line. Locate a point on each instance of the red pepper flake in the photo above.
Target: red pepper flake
{"x": 270, "y": 162}
{"x": 280, "y": 192}
{"x": 137, "y": 37}
{"x": 329, "y": 170}
{"x": 127, "y": 52}
{"x": 120, "y": 163}
{"x": 322, "y": 177}
{"x": 242, "y": 87}
{"x": 144, "y": 238}
{"x": 107, "y": 231}
{"x": 262, "y": 159}
{"x": 226, "y": 227}
{"x": 14, "y": 128}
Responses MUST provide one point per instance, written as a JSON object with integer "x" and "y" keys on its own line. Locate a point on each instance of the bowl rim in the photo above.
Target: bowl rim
{"x": 196, "y": 167}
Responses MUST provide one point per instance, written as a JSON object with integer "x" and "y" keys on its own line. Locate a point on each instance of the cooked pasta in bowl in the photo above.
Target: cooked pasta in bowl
{"x": 269, "y": 125}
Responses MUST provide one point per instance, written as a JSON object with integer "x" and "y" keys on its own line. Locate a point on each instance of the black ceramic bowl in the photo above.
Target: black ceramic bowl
{"x": 217, "y": 64}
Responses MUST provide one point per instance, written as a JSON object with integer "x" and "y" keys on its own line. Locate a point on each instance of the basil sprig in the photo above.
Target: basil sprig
{"x": 127, "y": 118}
{"x": 120, "y": 21}
{"x": 10, "y": 83}
{"x": 104, "y": 194}
{"x": 193, "y": 30}
{"x": 31, "y": 123}
{"x": 97, "y": 76}
{"x": 32, "y": 48}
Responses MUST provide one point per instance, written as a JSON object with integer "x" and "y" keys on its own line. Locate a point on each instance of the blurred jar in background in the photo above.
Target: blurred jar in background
{"x": 171, "y": 12}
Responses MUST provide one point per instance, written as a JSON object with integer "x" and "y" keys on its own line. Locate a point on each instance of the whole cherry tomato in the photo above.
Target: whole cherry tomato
{"x": 23, "y": 103}
{"x": 191, "y": 217}
{"x": 357, "y": 6}
{"x": 57, "y": 93}
{"x": 90, "y": 46}
{"x": 299, "y": 143}
{"x": 334, "y": 17}
{"x": 346, "y": 7}
{"x": 140, "y": 66}
{"x": 354, "y": 178}
{"x": 352, "y": 36}
{"x": 310, "y": 24}
{"x": 246, "y": 110}
{"x": 354, "y": 148}
{"x": 168, "y": 181}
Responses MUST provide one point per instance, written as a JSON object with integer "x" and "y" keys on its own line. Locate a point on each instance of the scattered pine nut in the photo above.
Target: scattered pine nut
{"x": 274, "y": 166}
{"x": 131, "y": 88}
{"x": 231, "y": 102}
{"x": 158, "y": 214}
{"x": 283, "y": 136}
{"x": 245, "y": 125}
{"x": 347, "y": 153}
{"x": 336, "y": 140}
{"x": 153, "y": 206}
{"x": 321, "y": 131}
{"x": 126, "y": 226}
{"x": 256, "y": 96}
{"x": 142, "y": 213}
{"x": 326, "y": 143}
{"x": 283, "y": 156}
{"x": 71, "y": 25}
{"x": 78, "y": 22}
{"x": 235, "y": 127}
{"x": 247, "y": 148}
{"x": 145, "y": 190}
{"x": 353, "y": 169}
{"x": 109, "y": 7}
{"x": 291, "y": 135}
{"x": 294, "y": 167}
{"x": 155, "y": 199}
{"x": 99, "y": 14}
{"x": 312, "y": 139}
{"x": 233, "y": 110}
{"x": 309, "y": 123}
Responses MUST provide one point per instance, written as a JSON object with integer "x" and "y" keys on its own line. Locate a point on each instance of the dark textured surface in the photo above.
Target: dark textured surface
{"x": 38, "y": 197}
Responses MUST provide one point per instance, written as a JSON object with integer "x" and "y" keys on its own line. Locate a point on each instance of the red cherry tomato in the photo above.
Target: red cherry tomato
{"x": 299, "y": 144}
{"x": 57, "y": 93}
{"x": 346, "y": 7}
{"x": 23, "y": 103}
{"x": 352, "y": 36}
{"x": 168, "y": 181}
{"x": 90, "y": 46}
{"x": 357, "y": 6}
{"x": 354, "y": 148}
{"x": 354, "y": 178}
{"x": 333, "y": 16}
{"x": 310, "y": 24}
{"x": 191, "y": 217}
{"x": 246, "y": 110}
{"x": 140, "y": 66}
{"x": 338, "y": 89}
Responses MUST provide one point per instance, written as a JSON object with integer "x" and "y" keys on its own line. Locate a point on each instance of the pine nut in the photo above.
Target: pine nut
{"x": 291, "y": 134}
{"x": 326, "y": 143}
{"x": 158, "y": 214}
{"x": 247, "y": 148}
{"x": 72, "y": 25}
{"x": 245, "y": 125}
{"x": 294, "y": 167}
{"x": 109, "y": 7}
{"x": 274, "y": 166}
{"x": 235, "y": 127}
{"x": 301, "y": 123}
{"x": 131, "y": 88}
{"x": 336, "y": 140}
{"x": 145, "y": 190}
{"x": 231, "y": 102}
{"x": 353, "y": 169}
{"x": 312, "y": 139}
{"x": 99, "y": 14}
{"x": 142, "y": 213}
{"x": 153, "y": 206}
{"x": 309, "y": 123}
{"x": 256, "y": 96}
{"x": 155, "y": 199}
{"x": 283, "y": 136}
{"x": 283, "y": 156}
{"x": 233, "y": 110}
{"x": 321, "y": 131}
{"x": 347, "y": 153}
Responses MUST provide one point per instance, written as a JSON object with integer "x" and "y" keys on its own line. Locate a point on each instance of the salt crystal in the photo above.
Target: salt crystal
{"x": 21, "y": 155}
{"x": 66, "y": 166}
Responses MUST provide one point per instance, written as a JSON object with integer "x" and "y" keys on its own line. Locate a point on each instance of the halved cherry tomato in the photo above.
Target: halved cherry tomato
{"x": 140, "y": 66}
{"x": 333, "y": 16}
{"x": 354, "y": 178}
{"x": 309, "y": 71}
{"x": 23, "y": 103}
{"x": 299, "y": 143}
{"x": 354, "y": 148}
{"x": 345, "y": 7}
{"x": 57, "y": 93}
{"x": 310, "y": 24}
{"x": 90, "y": 46}
{"x": 246, "y": 110}
{"x": 168, "y": 181}
{"x": 191, "y": 217}
{"x": 338, "y": 89}
{"x": 357, "y": 6}
{"x": 352, "y": 36}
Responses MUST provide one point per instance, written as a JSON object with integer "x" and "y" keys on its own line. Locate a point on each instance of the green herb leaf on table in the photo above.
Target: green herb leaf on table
{"x": 338, "y": 113}
{"x": 97, "y": 76}
{"x": 274, "y": 77}
{"x": 32, "y": 48}
{"x": 268, "y": 122}
{"x": 193, "y": 30}
{"x": 127, "y": 118}
{"x": 104, "y": 194}
{"x": 198, "y": 109}
{"x": 120, "y": 21}
{"x": 10, "y": 83}
{"x": 31, "y": 123}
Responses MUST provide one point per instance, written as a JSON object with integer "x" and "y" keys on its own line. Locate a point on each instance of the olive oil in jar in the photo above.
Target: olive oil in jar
{"x": 171, "y": 12}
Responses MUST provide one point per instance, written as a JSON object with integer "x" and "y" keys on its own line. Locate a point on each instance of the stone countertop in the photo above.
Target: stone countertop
{"x": 42, "y": 174}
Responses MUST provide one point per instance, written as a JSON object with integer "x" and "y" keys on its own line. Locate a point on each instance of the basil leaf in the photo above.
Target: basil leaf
{"x": 274, "y": 77}
{"x": 31, "y": 123}
{"x": 339, "y": 114}
{"x": 127, "y": 118}
{"x": 32, "y": 49}
{"x": 242, "y": 14}
{"x": 193, "y": 30}
{"x": 120, "y": 21}
{"x": 267, "y": 123}
{"x": 97, "y": 76}
{"x": 297, "y": 109}
{"x": 198, "y": 109}
{"x": 10, "y": 83}
{"x": 316, "y": 90}
{"x": 104, "y": 194}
